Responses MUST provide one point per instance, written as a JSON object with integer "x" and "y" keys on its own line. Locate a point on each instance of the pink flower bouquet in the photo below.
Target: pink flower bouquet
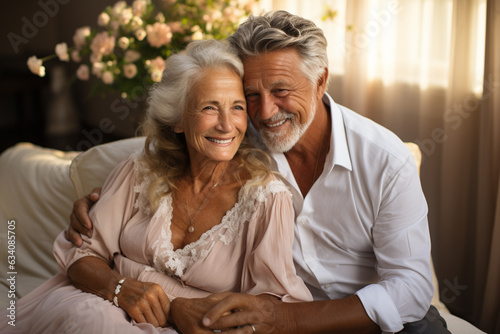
{"x": 127, "y": 51}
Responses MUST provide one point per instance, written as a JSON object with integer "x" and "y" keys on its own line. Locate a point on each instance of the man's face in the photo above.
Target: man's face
{"x": 281, "y": 101}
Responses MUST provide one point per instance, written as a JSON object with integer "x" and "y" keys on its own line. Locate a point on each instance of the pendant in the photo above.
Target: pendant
{"x": 191, "y": 229}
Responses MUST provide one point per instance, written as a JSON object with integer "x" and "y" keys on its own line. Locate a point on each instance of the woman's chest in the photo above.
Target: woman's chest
{"x": 137, "y": 238}
{"x": 213, "y": 262}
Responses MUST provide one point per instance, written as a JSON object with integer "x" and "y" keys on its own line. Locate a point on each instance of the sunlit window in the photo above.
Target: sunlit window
{"x": 410, "y": 41}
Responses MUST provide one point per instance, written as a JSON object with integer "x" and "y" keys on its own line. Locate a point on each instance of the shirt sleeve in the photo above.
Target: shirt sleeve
{"x": 108, "y": 215}
{"x": 269, "y": 266}
{"x": 402, "y": 248}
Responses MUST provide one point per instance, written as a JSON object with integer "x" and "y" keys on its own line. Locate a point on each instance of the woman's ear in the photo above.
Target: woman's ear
{"x": 178, "y": 129}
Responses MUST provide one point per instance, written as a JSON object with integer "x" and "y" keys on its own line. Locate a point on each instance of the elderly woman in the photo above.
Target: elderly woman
{"x": 196, "y": 211}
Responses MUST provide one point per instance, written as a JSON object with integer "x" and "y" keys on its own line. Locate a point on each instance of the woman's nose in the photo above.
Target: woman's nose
{"x": 225, "y": 122}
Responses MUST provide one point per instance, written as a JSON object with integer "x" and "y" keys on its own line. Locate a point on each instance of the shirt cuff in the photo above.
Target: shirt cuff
{"x": 380, "y": 308}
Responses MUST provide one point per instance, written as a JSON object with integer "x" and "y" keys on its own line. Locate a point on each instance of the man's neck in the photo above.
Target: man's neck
{"x": 307, "y": 158}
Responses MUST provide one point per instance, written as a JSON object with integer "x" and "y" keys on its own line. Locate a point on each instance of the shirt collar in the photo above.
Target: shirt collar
{"x": 339, "y": 151}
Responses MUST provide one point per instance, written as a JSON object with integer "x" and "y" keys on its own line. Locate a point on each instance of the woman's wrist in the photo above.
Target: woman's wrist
{"x": 117, "y": 291}
{"x": 92, "y": 274}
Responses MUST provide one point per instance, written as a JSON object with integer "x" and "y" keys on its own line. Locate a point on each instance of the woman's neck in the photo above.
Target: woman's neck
{"x": 207, "y": 174}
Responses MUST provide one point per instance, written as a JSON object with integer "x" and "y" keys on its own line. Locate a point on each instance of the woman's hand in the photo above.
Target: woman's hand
{"x": 145, "y": 302}
{"x": 79, "y": 219}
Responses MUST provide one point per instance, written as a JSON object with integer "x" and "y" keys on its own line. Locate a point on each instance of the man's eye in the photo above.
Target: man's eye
{"x": 252, "y": 97}
{"x": 239, "y": 107}
{"x": 281, "y": 92}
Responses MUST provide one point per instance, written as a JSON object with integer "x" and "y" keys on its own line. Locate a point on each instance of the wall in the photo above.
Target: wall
{"x": 34, "y": 27}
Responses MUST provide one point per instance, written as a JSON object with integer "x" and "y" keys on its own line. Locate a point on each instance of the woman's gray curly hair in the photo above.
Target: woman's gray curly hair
{"x": 280, "y": 30}
{"x": 165, "y": 152}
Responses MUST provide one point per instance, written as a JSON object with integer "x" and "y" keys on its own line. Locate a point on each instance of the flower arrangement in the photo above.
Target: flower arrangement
{"x": 128, "y": 49}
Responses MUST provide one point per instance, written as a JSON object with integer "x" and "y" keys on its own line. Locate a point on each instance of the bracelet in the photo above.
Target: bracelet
{"x": 117, "y": 291}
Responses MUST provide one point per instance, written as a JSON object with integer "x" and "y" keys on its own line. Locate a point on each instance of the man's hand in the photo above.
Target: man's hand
{"x": 267, "y": 314}
{"x": 187, "y": 313}
{"x": 231, "y": 312}
{"x": 239, "y": 311}
{"x": 79, "y": 219}
{"x": 145, "y": 302}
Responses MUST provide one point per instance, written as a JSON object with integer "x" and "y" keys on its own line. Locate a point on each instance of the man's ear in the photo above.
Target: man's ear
{"x": 321, "y": 84}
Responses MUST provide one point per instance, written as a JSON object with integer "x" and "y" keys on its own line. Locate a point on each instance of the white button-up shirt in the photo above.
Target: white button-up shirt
{"x": 362, "y": 228}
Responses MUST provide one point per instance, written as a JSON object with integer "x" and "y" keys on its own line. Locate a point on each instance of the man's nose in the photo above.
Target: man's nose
{"x": 268, "y": 107}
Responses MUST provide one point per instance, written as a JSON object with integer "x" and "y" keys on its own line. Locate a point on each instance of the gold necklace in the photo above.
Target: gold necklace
{"x": 191, "y": 218}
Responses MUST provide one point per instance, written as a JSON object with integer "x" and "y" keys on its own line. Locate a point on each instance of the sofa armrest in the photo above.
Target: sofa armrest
{"x": 39, "y": 187}
{"x": 37, "y": 194}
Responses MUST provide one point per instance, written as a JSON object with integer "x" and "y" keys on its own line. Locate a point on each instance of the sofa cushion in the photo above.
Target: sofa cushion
{"x": 91, "y": 168}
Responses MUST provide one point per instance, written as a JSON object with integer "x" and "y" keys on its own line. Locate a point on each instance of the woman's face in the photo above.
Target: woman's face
{"x": 215, "y": 119}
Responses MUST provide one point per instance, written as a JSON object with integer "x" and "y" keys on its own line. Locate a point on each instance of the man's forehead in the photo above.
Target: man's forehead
{"x": 284, "y": 55}
{"x": 250, "y": 85}
{"x": 275, "y": 69}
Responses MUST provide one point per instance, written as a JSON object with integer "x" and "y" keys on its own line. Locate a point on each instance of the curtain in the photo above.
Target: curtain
{"x": 429, "y": 70}
{"x": 488, "y": 201}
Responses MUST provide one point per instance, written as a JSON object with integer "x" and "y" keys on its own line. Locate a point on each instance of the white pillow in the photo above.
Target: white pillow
{"x": 91, "y": 168}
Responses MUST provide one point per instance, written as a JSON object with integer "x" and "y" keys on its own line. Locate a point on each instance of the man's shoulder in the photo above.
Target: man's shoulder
{"x": 359, "y": 125}
{"x": 368, "y": 138}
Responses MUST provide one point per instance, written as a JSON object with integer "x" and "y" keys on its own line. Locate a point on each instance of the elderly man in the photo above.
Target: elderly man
{"x": 362, "y": 242}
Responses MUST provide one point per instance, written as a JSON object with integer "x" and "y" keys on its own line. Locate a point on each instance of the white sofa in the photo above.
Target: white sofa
{"x": 38, "y": 188}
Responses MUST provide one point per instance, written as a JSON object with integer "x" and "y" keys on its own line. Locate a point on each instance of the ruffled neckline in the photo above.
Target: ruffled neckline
{"x": 177, "y": 262}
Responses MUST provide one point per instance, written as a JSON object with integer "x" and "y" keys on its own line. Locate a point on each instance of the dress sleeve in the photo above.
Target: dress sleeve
{"x": 109, "y": 215}
{"x": 269, "y": 266}
{"x": 144, "y": 273}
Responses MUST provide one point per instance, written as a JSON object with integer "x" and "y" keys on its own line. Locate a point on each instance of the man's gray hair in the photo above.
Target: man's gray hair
{"x": 279, "y": 30}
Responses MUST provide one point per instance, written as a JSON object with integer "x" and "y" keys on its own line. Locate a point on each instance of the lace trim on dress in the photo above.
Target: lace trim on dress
{"x": 176, "y": 262}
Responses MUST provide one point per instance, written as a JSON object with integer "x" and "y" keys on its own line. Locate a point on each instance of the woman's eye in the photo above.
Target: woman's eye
{"x": 239, "y": 107}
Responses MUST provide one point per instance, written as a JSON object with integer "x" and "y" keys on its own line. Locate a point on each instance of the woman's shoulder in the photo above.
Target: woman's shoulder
{"x": 123, "y": 170}
{"x": 262, "y": 189}
{"x": 275, "y": 185}
{"x": 144, "y": 177}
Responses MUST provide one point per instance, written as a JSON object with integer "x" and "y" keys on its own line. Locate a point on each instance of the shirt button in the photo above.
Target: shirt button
{"x": 302, "y": 221}
{"x": 326, "y": 286}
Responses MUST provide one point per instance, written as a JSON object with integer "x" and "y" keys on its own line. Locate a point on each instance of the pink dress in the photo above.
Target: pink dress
{"x": 249, "y": 251}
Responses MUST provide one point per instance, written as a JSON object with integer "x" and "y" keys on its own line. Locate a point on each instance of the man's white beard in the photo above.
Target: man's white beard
{"x": 284, "y": 141}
